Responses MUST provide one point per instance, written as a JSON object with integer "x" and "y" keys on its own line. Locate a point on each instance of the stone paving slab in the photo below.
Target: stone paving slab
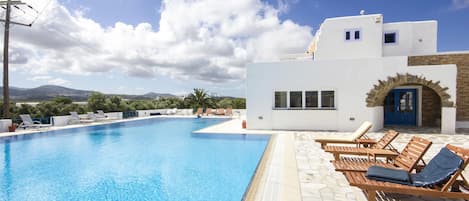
{"x": 319, "y": 181}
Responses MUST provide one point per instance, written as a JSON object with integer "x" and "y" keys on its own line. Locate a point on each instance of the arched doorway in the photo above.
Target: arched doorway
{"x": 410, "y": 100}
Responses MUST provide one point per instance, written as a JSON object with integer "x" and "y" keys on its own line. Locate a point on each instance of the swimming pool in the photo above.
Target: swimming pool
{"x": 153, "y": 159}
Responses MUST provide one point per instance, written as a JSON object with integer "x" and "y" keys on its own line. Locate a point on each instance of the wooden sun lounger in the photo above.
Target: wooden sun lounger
{"x": 388, "y": 137}
{"x": 208, "y": 111}
{"x": 372, "y": 187}
{"x": 220, "y": 111}
{"x": 199, "y": 111}
{"x": 407, "y": 160}
{"x": 358, "y": 137}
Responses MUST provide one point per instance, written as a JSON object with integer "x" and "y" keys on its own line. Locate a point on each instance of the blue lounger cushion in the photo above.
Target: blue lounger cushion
{"x": 437, "y": 171}
{"x": 389, "y": 175}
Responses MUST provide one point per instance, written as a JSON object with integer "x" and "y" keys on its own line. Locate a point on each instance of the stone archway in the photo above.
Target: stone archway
{"x": 377, "y": 95}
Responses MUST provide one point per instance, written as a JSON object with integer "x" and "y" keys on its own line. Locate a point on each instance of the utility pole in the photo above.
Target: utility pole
{"x": 7, "y": 21}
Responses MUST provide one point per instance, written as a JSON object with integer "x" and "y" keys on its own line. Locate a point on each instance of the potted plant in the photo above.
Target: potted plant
{"x": 12, "y": 128}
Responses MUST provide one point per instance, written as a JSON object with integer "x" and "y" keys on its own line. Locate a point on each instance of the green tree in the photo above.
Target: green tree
{"x": 97, "y": 101}
{"x": 62, "y": 99}
{"x": 224, "y": 103}
{"x": 199, "y": 98}
{"x": 239, "y": 103}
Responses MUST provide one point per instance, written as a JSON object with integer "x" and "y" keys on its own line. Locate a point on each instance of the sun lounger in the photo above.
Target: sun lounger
{"x": 208, "y": 111}
{"x": 96, "y": 117}
{"x": 200, "y": 111}
{"x": 100, "y": 114}
{"x": 437, "y": 179}
{"x": 229, "y": 111}
{"x": 388, "y": 137}
{"x": 29, "y": 123}
{"x": 351, "y": 139}
{"x": 407, "y": 160}
{"x": 220, "y": 111}
{"x": 77, "y": 119}
{"x": 171, "y": 111}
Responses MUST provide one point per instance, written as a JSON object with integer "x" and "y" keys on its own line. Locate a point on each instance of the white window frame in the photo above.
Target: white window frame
{"x": 302, "y": 98}
{"x": 288, "y": 101}
{"x": 390, "y": 32}
{"x": 335, "y": 99}
{"x": 319, "y": 99}
{"x": 352, "y": 34}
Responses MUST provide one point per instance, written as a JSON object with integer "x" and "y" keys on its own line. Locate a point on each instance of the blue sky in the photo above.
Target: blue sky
{"x": 188, "y": 37}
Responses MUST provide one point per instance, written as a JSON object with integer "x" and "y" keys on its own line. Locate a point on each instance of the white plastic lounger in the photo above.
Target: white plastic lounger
{"x": 29, "y": 123}
{"x": 76, "y": 119}
{"x": 96, "y": 117}
{"x": 171, "y": 111}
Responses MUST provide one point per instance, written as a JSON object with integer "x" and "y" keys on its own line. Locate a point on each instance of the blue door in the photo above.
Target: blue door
{"x": 400, "y": 107}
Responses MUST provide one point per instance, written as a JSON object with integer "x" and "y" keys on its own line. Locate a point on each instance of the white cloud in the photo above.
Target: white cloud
{"x": 459, "y": 4}
{"x": 208, "y": 40}
{"x": 40, "y": 78}
{"x": 284, "y": 5}
{"x": 58, "y": 81}
{"x": 49, "y": 80}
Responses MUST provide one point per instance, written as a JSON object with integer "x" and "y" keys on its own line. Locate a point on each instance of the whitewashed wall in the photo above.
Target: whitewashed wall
{"x": 413, "y": 38}
{"x": 351, "y": 79}
{"x": 146, "y": 113}
{"x": 331, "y": 43}
{"x": 4, "y": 123}
{"x": 65, "y": 120}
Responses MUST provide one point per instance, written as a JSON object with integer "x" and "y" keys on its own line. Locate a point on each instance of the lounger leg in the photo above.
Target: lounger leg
{"x": 464, "y": 180}
{"x": 371, "y": 195}
{"x": 336, "y": 156}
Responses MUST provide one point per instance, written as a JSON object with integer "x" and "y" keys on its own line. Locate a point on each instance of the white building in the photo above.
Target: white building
{"x": 360, "y": 69}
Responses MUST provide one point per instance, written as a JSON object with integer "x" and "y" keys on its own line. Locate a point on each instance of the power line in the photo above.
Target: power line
{"x": 6, "y": 88}
{"x": 39, "y": 13}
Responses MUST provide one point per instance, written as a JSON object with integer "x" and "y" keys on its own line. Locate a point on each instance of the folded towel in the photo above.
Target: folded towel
{"x": 389, "y": 175}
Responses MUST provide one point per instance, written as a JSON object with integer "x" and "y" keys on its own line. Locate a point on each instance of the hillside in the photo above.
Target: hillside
{"x": 47, "y": 92}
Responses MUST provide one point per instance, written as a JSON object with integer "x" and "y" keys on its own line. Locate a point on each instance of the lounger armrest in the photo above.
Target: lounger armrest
{"x": 324, "y": 142}
{"x": 37, "y": 122}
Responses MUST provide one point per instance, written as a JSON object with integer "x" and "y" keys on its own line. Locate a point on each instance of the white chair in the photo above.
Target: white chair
{"x": 77, "y": 119}
{"x": 29, "y": 123}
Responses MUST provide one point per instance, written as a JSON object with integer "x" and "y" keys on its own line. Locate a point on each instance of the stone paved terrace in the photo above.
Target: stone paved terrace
{"x": 319, "y": 181}
{"x": 316, "y": 176}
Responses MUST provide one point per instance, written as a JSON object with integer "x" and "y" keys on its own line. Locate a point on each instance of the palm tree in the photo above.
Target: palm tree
{"x": 199, "y": 98}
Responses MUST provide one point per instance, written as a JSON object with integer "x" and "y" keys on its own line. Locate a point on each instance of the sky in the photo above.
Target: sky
{"x": 173, "y": 46}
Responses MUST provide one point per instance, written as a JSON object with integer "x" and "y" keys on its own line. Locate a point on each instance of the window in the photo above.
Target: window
{"x": 347, "y": 35}
{"x": 280, "y": 99}
{"x": 352, "y": 35}
{"x": 357, "y": 35}
{"x": 296, "y": 99}
{"x": 311, "y": 99}
{"x": 327, "y": 99}
{"x": 390, "y": 38}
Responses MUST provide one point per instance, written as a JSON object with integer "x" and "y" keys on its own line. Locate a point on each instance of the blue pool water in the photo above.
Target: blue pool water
{"x": 154, "y": 159}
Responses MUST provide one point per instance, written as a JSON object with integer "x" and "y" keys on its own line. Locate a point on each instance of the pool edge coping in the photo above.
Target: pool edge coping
{"x": 252, "y": 190}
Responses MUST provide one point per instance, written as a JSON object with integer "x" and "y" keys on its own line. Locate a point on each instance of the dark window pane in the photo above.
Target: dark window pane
{"x": 311, "y": 98}
{"x": 389, "y": 37}
{"x": 327, "y": 99}
{"x": 280, "y": 99}
{"x": 347, "y": 35}
{"x": 357, "y": 35}
{"x": 296, "y": 99}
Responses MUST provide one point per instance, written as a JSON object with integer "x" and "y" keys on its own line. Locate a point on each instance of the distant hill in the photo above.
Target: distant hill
{"x": 48, "y": 92}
